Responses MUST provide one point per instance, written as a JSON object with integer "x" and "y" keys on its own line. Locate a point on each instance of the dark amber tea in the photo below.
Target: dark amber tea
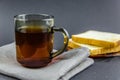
{"x": 33, "y": 46}
{"x": 34, "y": 39}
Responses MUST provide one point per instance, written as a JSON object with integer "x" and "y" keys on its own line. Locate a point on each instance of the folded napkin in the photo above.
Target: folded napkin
{"x": 62, "y": 67}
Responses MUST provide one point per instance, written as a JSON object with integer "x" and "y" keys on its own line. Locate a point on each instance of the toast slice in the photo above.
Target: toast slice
{"x": 94, "y": 50}
{"x": 102, "y": 55}
{"x": 98, "y": 38}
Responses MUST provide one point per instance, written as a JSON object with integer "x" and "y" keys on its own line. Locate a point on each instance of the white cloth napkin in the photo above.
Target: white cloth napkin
{"x": 62, "y": 67}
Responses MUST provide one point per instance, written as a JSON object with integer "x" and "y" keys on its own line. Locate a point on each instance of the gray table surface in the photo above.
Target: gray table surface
{"x": 102, "y": 69}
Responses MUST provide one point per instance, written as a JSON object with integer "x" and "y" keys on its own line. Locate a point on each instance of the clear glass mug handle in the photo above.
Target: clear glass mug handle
{"x": 66, "y": 39}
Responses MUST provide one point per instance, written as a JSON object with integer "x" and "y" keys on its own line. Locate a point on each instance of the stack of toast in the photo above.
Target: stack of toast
{"x": 100, "y": 44}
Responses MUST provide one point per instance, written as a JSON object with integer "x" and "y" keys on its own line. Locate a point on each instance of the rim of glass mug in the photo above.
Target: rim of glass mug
{"x": 26, "y": 17}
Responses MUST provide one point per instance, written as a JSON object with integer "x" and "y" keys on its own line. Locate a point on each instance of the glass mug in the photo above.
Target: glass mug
{"x": 34, "y": 35}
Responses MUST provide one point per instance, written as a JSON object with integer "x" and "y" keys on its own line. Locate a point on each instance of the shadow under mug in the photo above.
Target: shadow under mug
{"x": 34, "y": 35}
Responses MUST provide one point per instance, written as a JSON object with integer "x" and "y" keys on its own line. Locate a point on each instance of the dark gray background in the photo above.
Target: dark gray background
{"x": 74, "y": 15}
